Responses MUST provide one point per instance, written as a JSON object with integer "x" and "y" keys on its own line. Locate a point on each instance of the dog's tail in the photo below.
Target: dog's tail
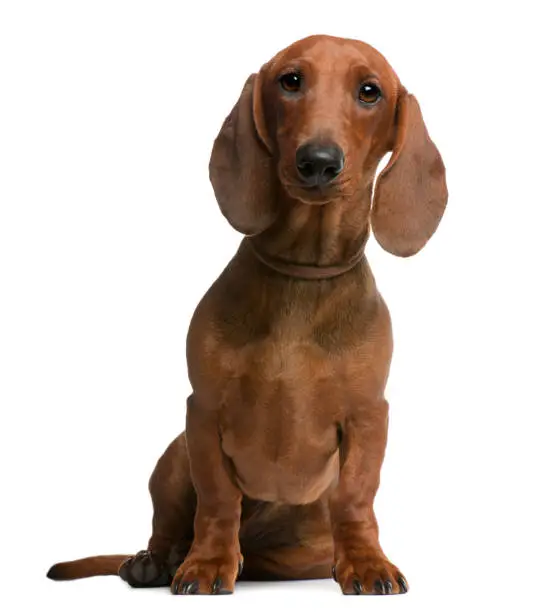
{"x": 103, "y": 565}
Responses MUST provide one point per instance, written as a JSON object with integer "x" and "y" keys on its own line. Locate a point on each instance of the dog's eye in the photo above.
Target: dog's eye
{"x": 291, "y": 82}
{"x": 369, "y": 93}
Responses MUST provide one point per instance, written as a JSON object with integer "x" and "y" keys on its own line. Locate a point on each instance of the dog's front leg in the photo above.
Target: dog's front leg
{"x": 360, "y": 564}
{"x": 214, "y": 560}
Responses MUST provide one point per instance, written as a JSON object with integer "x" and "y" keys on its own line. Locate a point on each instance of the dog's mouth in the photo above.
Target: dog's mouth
{"x": 321, "y": 193}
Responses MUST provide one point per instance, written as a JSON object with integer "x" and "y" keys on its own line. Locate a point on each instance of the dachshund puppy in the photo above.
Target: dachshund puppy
{"x": 289, "y": 350}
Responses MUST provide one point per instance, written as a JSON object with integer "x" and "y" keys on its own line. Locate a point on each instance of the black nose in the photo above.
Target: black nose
{"x": 318, "y": 164}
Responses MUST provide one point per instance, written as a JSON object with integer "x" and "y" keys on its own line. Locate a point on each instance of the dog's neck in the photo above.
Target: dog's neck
{"x": 315, "y": 241}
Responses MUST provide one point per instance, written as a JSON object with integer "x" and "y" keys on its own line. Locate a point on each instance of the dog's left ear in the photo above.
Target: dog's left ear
{"x": 411, "y": 193}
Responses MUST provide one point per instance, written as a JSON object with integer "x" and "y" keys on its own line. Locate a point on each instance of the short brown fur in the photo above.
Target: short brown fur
{"x": 287, "y": 423}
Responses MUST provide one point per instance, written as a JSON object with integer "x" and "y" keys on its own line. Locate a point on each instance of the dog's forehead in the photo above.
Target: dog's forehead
{"x": 335, "y": 53}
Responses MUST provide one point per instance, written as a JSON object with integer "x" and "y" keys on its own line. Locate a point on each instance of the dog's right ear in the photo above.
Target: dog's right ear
{"x": 242, "y": 169}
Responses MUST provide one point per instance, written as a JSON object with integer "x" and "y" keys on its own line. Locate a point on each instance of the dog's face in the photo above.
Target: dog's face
{"x": 328, "y": 107}
{"x": 311, "y": 127}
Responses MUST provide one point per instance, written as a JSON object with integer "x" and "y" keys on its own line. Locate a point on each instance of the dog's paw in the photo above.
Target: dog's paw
{"x": 214, "y": 576}
{"x": 145, "y": 570}
{"x": 369, "y": 576}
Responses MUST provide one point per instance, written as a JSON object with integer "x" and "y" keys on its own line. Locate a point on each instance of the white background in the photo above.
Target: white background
{"x": 109, "y": 236}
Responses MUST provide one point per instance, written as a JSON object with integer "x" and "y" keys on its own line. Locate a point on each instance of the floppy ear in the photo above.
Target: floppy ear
{"x": 410, "y": 193}
{"x": 241, "y": 166}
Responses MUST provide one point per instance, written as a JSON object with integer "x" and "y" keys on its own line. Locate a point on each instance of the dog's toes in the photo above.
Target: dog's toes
{"x": 144, "y": 570}
{"x": 214, "y": 576}
{"x": 369, "y": 576}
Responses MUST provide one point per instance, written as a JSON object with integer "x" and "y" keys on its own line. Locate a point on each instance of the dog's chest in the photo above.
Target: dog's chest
{"x": 279, "y": 421}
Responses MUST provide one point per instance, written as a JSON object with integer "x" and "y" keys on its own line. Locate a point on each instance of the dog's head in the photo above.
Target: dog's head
{"x": 312, "y": 125}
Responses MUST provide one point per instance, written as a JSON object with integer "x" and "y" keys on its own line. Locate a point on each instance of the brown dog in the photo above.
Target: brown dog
{"x": 289, "y": 350}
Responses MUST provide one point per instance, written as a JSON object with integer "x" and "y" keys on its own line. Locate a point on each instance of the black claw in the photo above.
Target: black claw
{"x": 178, "y": 586}
{"x": 217, "y": 588}
{"x": 189, "y": 588}
{"x": 333, "y": 572}
{"x": 388, "y": 586}
{"x": 358, "y": 587}
{"x": 402, "y": 584}
{"x": 379, "y": 587}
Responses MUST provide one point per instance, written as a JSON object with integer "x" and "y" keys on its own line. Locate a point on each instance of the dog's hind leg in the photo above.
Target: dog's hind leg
{"x": 174, "y": 502}
{"x": 279, "y": 542}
